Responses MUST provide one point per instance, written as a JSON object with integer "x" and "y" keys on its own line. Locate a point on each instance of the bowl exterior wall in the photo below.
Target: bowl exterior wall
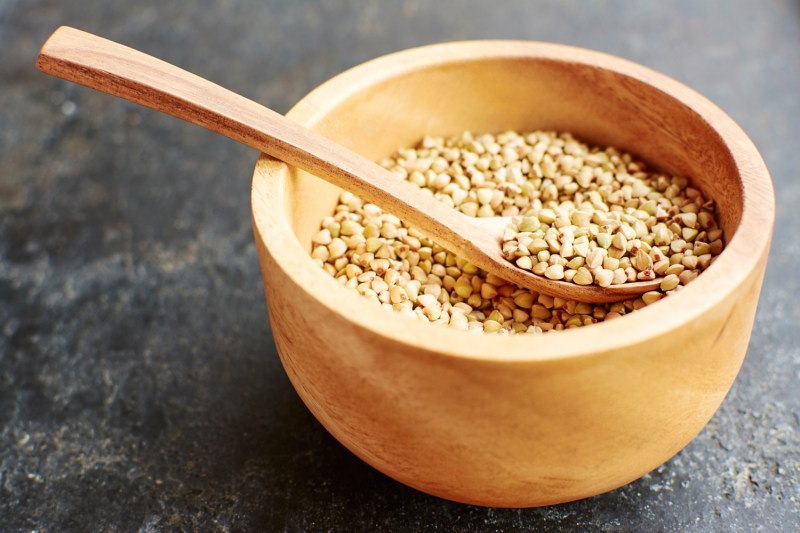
{"x": 507, "y": 434}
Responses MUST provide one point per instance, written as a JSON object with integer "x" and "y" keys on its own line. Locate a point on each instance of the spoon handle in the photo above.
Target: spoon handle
{"x": 121, "y": 71}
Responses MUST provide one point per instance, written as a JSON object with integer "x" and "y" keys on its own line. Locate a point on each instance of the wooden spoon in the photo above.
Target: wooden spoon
{"x": 121, "y": 71}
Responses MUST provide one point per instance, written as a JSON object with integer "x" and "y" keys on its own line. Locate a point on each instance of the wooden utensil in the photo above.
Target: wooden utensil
{"x": 118, "y": 70}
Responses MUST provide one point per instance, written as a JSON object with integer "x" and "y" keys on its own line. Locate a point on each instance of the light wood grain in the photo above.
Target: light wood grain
{"x": 530, "y": 420}
{"x": 121, "y": 71}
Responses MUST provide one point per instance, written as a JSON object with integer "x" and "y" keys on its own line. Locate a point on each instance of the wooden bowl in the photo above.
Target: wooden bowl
{"x": 526, "y": 420}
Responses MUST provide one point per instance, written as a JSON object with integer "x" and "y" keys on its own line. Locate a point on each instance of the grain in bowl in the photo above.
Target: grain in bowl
{"x": 582, "y": 214}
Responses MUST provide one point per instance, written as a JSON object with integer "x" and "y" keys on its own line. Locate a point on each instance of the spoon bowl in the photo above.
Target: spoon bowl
{"x": 488, "y": 234}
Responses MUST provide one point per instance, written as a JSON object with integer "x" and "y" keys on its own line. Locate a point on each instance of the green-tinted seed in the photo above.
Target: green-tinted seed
{"x": 670, "y": 282}
{"x": 651, "y": 297}
{"x": 524, "y": 300}
{"x": 524, "y": 262}
{"x": 529, "y": 224}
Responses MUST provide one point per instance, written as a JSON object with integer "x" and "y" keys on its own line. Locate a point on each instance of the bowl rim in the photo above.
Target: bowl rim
{"x": 742, "y": 257}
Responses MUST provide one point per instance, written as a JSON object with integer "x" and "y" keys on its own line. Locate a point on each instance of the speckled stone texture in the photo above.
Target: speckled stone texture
{"x": 140, "y": 389}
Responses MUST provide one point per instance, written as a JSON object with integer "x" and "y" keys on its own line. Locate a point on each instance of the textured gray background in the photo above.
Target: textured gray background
{"x": 139, "y": 385}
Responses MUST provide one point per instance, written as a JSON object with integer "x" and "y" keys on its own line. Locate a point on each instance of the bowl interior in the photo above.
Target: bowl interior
{"x": 492, "y": 95}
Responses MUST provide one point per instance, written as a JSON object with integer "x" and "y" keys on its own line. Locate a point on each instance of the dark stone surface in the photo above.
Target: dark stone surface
{"x": 139, "y": 385}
